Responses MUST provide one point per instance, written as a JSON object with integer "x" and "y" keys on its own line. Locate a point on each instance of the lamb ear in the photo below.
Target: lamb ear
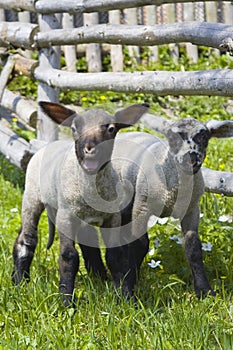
{"x": 130, "y": 115}
{"x": 220, "y": 129}
{"x": 58, "y": 113}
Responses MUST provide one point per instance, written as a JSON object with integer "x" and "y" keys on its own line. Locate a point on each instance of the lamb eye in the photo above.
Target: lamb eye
{"x": 201, "y": 138}
{"x": 73, "y": 129}
{"x": 183, "y": 135}
{"x": 111, "y": 128}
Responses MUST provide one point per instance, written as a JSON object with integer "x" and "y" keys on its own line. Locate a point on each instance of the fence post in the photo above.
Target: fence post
{"x": 24, "y": 17}
{"x": 2, "y": 19}
{"x": 151, "y": 20}
{"x": 49, "y": 57}
{"x": 69, "y": 50}
{"x": 192, "y": 51}
{"x": 93, "y": 51}
{"x": 131, "y": 18}
{"x": 173, "y": 48}
{"x": 211, "y": 15}
{"x": 228, "y": 13}
{"x": 2, "y": 15}
{"x": 116, "y": 50}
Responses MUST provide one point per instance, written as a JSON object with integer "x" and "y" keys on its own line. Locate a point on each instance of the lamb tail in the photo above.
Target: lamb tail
{"x": 51, "y": 233}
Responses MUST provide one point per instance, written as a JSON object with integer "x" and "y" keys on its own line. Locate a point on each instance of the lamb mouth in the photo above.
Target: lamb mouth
{"x": 90, "y": 165}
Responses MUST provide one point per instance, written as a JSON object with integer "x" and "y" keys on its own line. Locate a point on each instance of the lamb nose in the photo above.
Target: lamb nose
{"x": 89, "y": 149}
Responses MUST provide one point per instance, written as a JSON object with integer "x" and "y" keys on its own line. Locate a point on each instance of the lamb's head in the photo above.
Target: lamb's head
{"x": 93, "y": 131}
{"x": 188, "y": 140}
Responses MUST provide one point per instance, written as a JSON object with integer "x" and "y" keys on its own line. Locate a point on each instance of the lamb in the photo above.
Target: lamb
{"x": 166, "y": 180}
{"x": 76, "y": 184}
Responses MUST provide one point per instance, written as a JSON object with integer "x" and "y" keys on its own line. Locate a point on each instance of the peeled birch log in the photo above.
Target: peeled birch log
{"x": 188, "y": 15}
{"x": 24, "y": 66}
{"x": 69, "y": 50}
{"x": 131, "y": 19}
{"x": 151, "y": 19}
{"x": 72, "y": 6}
{"x": 116, "y": 53}
{"x": 93, "y": 50}
{"x": 215, "y": 35}
{"x": 26, "y": 110}
{"x": 217, "y": 82}
{"x": 6, "y": 72}
{"x": 220, "y": 182}
{"x": 15, "y": 148}
{"x": 49, "y": 58}
{"x": 17, "y": 34}
{"x": 24, "y": 17}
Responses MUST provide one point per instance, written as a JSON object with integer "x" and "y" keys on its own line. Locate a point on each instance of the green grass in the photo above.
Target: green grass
{"x": 168, "y": 315}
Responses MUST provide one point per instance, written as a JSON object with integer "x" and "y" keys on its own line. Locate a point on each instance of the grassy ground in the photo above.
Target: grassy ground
{"x": 168, "y": 315}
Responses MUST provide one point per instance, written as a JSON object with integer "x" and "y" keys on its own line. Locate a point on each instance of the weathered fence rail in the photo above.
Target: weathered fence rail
{"x": 81, "y": 6}
{"x": 17, "y": 34}
{"x": 210, "y": 82}
{"x": 48, "y": 36}
{"x": 26, "y": 35}
{"x": 216, "y": 35}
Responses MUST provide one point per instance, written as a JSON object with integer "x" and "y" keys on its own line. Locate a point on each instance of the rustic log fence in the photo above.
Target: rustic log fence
{"x": 168, "y": 12}
{"x": 48, "y": 36}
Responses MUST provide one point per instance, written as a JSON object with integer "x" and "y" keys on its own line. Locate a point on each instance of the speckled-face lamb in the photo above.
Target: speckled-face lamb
{"x": 166, "y": 179}
{"x": 76, "y": 184}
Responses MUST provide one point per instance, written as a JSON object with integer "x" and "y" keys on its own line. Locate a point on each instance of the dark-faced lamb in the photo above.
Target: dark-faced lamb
{"x": 162, "y": 178}
{"x": 76, "y": 184}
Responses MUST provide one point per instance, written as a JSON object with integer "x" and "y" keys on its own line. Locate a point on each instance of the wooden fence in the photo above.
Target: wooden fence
{"x": 212, "y": 11}
{"x": 55, "y": 30}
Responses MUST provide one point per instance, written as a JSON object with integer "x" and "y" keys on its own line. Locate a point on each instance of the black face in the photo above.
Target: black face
{"x": 188, "y": 140}
{"x": 94, "y": 145}
{"x": 93, "y": 131}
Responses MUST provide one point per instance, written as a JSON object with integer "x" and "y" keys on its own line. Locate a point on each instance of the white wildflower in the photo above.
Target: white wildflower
{"x": 207, "y": 247}
{"x": 151, "y": 251}
{"x": 177, "y": 239}
{"x": 225, "y": 218}
{"x": 154, "y": 220}
{"x": 14, "y": 210}
{"x": 162, "y": 221}
{"x": 153, "y": 264}
{"x": 157, "y": 242}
